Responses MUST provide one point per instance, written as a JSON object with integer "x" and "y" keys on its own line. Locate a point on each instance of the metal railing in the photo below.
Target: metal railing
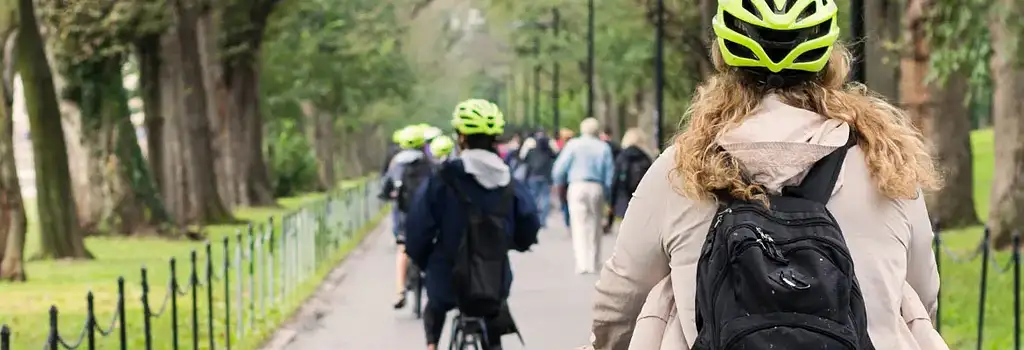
{"x": 987, "y": 265}
{"x": 261, "y": 271}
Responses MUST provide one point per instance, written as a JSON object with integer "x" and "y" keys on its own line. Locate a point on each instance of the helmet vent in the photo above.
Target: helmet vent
{"x": 808, "y": 11}
{"x": 749, "y": 6}
{"x": 785, "y": 7}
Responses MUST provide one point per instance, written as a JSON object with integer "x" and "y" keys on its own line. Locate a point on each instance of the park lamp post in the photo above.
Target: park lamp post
{"x": 659, "y": 74}
{"x": 857, "y": 33}
{"x": 556, "y": 112}
{"x": 536, "y": 84}
{"x": 533, "y": 119}
{"x": 590, "y": 58}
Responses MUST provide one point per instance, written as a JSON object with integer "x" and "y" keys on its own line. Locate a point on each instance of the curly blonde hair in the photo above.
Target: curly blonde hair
{"x": 896, "y": 155}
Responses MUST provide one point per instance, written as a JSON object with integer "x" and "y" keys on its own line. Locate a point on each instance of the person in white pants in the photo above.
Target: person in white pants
{"x": 586, "y": 164}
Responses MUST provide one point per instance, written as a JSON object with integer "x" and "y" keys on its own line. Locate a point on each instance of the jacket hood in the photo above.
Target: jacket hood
{"x": 777, "y": 144}
{"x": 406, "y": 156}
{"x": 486, "y": 167}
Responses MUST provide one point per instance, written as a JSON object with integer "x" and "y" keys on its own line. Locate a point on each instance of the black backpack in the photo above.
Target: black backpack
{"x": 413, "y": 174}
{"x": 478, "y": 274}
{"x": 781, "y": 278}
{"x": 635, "y": 170}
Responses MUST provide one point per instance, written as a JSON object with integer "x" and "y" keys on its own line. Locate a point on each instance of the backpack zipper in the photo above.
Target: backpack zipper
{"x": 766, "y": 215}
{"x": 768, "y": 244}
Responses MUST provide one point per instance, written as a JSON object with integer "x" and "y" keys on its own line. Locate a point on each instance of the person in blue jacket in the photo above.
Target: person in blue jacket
{"x": 436, "y": 219}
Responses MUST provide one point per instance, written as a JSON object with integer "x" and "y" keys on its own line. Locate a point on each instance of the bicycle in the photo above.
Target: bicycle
{"x": 414, "y": 284}
{"x": 468, "y": 333}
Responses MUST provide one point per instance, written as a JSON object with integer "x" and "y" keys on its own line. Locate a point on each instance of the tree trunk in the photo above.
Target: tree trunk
{"x": 321, "y": 131}
{"x": 950, "y": 134}
{"x": 708, "y": 10}
{"x": 1006, "y": 212}
{"x": 205, "y": 205}
{"x": 244, "y": 177}
{"x": 148, "y": 55}
{"x": 882, "y": 24}
{"x": 60, "y": 234}
{"x": 253, "y": 182}
{"x": 130, "y": 200}
{"x": 941, "y": 114}
{"x": 13, "y": 223}
{"x": 174, "y": 185}
{"x": 224, "y": 128}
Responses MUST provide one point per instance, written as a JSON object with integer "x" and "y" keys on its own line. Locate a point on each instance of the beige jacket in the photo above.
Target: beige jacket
{"x": 654, "y": 261}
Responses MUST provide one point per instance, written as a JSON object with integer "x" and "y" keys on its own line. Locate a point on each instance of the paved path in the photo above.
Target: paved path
{"x": 550, "y": 303}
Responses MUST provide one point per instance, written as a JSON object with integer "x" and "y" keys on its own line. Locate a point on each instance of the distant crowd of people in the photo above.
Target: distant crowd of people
{"x": 591, "y": 175}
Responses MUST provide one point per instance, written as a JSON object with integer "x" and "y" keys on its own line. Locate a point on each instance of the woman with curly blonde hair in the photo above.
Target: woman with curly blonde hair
{"x": 778, "y": 104}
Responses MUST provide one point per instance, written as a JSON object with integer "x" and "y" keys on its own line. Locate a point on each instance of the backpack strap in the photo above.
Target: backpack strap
{"x": 821, "y": 178}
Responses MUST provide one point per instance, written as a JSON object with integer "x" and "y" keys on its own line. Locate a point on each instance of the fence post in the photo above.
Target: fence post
{"x": 5, "y": 337}
{"x": 174, "y": 303}
{"x": 261, "y": 273}
{"x": 1016, "y": 289}
{"x": 53, "y": 340}
{"x": 122, "y": 331}
{"x": 227, "y": 293}
{"x": 273, "y": 260}
{"x": 209, "y": 295}
{"x": 937, "y": 250}
{"x": 252, "y": 278}
{"x": 240, "y": 316}
{"x": 90, "y": 320}
{"x": 985, "y": 251}
{"x": 147, "y": 314}
{"x": 194, "y": 281}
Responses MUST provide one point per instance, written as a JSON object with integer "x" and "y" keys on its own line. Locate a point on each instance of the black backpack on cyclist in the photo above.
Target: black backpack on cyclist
{"x": 478, "y": 274}
{"x": 781, "y": 278}
{"x": 413, "y": 174}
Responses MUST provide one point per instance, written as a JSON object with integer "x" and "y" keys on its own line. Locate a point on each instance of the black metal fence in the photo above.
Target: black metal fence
{"x": 260, "y": 272}
{"x": 987, "y": 264}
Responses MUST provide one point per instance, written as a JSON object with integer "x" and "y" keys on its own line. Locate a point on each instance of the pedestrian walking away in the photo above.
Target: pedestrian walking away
{"x": 538, "y": 154}
{"x": 585, "y": 165}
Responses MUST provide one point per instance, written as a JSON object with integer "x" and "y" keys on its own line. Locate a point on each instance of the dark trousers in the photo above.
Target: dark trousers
{"x": 434, "y": 316}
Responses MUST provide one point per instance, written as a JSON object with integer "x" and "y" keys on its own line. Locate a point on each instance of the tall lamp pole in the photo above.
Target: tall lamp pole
{"x": 554, "y": 76}
{"x": 590, "y": 58}
{"x": 526, "y": 99}
{"x": 536, "y": 83}
{"x": 857, "y": 30}
{"x": 659, "y": 74}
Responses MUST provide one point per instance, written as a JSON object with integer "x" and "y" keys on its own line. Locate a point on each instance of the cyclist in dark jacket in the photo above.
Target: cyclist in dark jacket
{"x": 437, "y": 220}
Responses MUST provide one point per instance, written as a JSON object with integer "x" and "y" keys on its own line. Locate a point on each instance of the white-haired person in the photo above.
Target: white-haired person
{"x": 587, "y": 166}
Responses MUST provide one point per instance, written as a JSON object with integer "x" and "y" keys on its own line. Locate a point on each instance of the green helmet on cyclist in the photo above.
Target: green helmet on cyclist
{"x": 410, "y": 137}
{"x": 442, "y": 146}
{"x": 478, "y": 117}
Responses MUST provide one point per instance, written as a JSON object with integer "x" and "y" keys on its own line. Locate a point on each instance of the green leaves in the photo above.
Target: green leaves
{"x": 88, "y": 29}
{"x": 342, "y": 56}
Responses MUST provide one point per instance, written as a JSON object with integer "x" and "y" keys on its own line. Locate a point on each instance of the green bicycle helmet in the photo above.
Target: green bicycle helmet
{"x": 442, "y": 146}
{"x": 777, "y": 35}
{"x": 478, "y": 116}
{"x": 396, "y": 136}
{"x": 411, "y": 137}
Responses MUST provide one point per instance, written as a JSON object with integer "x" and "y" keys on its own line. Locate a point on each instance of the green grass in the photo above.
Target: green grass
{"x": 961, "y": 280}
{"x": 23, "y": 306}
